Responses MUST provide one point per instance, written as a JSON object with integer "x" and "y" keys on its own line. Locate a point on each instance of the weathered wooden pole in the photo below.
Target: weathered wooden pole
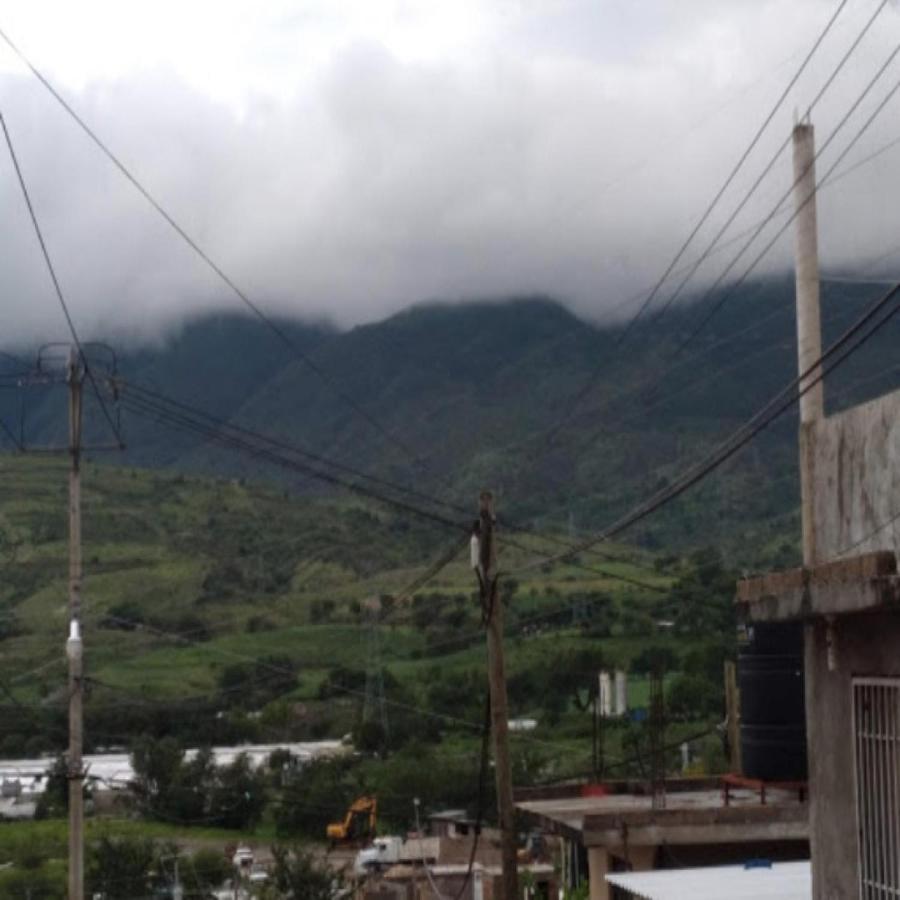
{"x": 492, "y": 607}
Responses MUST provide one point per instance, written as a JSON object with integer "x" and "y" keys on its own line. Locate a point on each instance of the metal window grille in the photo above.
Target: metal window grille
{"x": 876, "y": 717}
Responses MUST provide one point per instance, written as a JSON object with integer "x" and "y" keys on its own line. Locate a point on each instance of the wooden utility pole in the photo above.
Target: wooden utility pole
{"x": 74, "y": 648}
{"x": 733, "y": 713}
{"x": 492, "y": 609}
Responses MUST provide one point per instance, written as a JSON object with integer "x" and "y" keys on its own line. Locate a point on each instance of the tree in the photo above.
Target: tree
{"x": 54, "y": 801}
{"x": 656, "y": 657}
{"x": 188, "y": 796}
{"x": 341, "y": 681}
{"x": 702, "y": 600}
{"x": 572, "y": 676}
{"x": 122, "y": 868}
{"x": 205, "y": 871}
{"x": 319, "y": 793}
{"x": 693, "y": 697}
{"x": 300, "y": 875}
{"x": 156, "y": 763}
{"x": 239, "y": 797}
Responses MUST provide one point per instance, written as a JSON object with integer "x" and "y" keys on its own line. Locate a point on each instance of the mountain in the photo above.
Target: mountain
{"x": 568, "y": 422}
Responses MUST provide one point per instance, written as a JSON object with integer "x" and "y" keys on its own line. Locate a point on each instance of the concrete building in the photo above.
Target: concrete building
{"x": 847, "y": 595}
{"x": 616, "y": 828}
{"x": 852, "y": 658}
{"x": 437, "y": 868}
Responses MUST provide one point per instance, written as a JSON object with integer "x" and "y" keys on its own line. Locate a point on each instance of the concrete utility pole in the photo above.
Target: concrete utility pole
{"x": 809, "y": 328}
{"x": 75, "y": 378}
{"x": 492, "y": 607}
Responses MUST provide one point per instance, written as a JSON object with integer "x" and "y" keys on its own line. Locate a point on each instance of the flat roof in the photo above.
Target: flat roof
{"x": 860, "y": 583}
{"x": 781, "y": 881}
{"x": 697, "y": 816}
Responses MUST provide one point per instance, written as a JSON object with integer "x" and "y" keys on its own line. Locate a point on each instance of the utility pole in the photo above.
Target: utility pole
{"x": 74, "y": 647}
{"x": 809, "y": 328}
{"x": 177, "y": 890}
{"x": 492, "y": 610}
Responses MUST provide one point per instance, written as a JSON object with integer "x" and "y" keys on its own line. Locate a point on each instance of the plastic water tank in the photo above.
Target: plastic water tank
{"x": 773, "y": 719}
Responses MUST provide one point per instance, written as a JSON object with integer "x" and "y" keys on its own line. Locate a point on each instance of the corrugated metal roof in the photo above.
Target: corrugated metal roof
{"x": 783, "y": 881}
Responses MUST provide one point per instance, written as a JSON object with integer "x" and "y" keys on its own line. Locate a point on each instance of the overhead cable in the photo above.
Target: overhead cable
{"x": 670, "y": 268}
{"x": 254, "y": 307}
{"x": 56, "y": 285}
{"x": 775, "y": 407}
{"x": 732, "y": 288}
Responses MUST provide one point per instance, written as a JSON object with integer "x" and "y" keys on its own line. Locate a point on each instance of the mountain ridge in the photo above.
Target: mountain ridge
{"x": 484, "y": 393}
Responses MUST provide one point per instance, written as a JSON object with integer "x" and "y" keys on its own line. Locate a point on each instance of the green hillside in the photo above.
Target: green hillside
{"x": 485, "y": 394}
{"x": 204, "y": 597}
{"x": 225, "y": 600}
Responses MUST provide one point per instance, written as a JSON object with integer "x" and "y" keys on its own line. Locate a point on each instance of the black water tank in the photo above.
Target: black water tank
{"x": 773, "y": 719}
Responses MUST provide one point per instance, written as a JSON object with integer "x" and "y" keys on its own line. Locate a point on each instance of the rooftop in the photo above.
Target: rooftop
{"x": 692, "y": 814}
{"x": 856, "y": 584}
{"x": 781, "y": 881}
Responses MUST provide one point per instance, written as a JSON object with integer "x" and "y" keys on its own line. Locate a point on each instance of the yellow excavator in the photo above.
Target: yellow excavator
{"x": 358, "y": 824}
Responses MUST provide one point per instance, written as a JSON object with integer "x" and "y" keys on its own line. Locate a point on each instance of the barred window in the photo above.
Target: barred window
{"x": 876, "y": 716}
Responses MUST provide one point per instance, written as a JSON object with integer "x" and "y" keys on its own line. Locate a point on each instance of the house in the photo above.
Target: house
{"x": 436, "y": 868}
{"x": 616, "y": 827}
{"x": 850, "y": 601}
{"x": 846, "y": 594}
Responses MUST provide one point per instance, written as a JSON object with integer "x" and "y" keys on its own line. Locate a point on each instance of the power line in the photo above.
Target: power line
{"x": 280, "y": 444}
{"x": 780, "y": 403}
{"x": 648, "y": 300}
{"x": 746, "y": 273}
{"x": 10, "y": 436}
{"x": 769, "y": 166}
{"x": 144, "y": 407}
{"x": 704, "y": 378}
{"x": 738, "y": 166}
{"x": 277, "y": 330}
{"x": 732, "y": 289}
{"x": 783, "y": 207}
{"x": 56, "y": 285}
{"x": 282, "y": 670}
{"x": 155, "y": 399}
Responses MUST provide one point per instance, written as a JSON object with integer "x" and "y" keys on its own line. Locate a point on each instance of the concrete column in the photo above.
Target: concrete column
{"x": 598, "y": 868}
{"x": 809, "y": 350}
{"x": 809, "y": 327}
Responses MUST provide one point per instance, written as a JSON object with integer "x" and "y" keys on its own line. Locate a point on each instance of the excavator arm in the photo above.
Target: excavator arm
{"x": 347, "y": 830}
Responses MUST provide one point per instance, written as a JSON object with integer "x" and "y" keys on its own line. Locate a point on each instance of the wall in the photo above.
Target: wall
{"x": 857, "y": 478}
{"x": 865, "y": 644}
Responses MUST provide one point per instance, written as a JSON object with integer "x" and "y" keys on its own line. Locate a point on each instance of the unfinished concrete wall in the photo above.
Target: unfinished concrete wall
{"x": 857, "y": 477}
{"x": 865, "y": 644}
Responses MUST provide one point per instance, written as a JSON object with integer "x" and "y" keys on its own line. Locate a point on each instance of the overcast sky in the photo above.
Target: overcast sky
{"x": 347, "y": 158}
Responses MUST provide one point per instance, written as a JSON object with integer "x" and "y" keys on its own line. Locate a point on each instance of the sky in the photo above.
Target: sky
{"x": 345, "y": 159}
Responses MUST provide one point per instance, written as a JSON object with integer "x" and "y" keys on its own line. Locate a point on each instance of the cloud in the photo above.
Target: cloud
{"x": 353, "y": 163}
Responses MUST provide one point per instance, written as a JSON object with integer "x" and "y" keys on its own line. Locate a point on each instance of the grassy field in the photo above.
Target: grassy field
{"x": 225, "y": 611}
{"x": 239, "y": 571}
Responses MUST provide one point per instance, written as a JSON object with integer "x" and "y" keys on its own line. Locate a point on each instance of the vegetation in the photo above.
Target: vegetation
{"x": 298, "y": 873}
{"x": 189, "y": 791}
{"x": 422, "y": 374}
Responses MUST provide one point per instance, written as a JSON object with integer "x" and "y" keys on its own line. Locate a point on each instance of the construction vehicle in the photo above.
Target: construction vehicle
{"x": 358, "y": 824}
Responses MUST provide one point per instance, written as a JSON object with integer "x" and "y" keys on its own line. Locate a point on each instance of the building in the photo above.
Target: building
{"x": 704, "y": 822}
{"x": 779, "y": 881}
{"x": 847, "y": 594}
{"x": 852, "y": 655}
{"x": 438, "y": 867}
